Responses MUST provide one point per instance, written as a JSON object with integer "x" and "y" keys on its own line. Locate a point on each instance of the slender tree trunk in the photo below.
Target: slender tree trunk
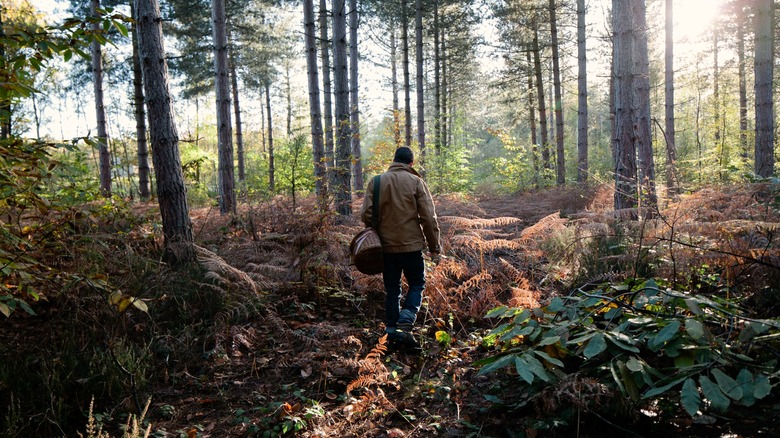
{"x": 641, "y": 108}
{"x": 100, "y": 109}
{"x": 262, "y": 122}
{"x": 418, "y": 30}
{"x": 140, "y": 117}
{"x": 227, "y": 197}
{"x": 271, "y": 167}
{"x": 237, "y": 113}
{"x": 764, "y": 71}
{"x": 671, "y": 147}
{"x": 355, "y": 104}
{"x": 436, "y": 81}
{"x": 318, "y": 148}
{"x": 716, "y": 104}
{"x": 445, "y": 108}
{"x": 394, "y": 80}
{"x": 560, "y": 152}
{"x": 407, "y": 80}
{"x": 343, "y": 191}
{"x": 743, "y": 104}
{"x": 625, "y": 152}
{"x": 288, "y": 92}
{"x": 327, "y": 94}
{"x": 582, "y": 97}
{"x": 171, "y": 191}
{"x": 5, "y": 104}
{"x": 540, "y": 96}
{"x": 532, "y": 116}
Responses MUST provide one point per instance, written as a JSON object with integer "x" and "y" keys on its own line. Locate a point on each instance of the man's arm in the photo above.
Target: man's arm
{"x": 368, "y": 204}
{"x": 428, "y": 220}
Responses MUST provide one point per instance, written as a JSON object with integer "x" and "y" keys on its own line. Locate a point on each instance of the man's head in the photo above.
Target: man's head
{"x": 403, "y": 155}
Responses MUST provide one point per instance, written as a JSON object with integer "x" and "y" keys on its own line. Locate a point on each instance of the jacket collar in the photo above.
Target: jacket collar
{"x": 395, "y": 167}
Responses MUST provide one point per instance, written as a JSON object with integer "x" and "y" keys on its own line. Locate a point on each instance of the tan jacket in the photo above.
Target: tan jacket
{"x": 407, "y": 217}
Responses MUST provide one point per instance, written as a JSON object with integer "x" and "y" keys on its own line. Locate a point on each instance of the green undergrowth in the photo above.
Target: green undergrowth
{"x": 631, "y": 349}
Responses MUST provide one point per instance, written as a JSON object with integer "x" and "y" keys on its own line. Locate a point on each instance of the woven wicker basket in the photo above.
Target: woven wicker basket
{"x": 366, "y": 252}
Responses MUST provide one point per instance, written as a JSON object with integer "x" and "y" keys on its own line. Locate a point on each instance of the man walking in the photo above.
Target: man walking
{"x": 407, "y": 226}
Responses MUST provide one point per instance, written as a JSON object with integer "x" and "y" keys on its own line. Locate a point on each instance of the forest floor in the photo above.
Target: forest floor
{"x": 277, "y": 334}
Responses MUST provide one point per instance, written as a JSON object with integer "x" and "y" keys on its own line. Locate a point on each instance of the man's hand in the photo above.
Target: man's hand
{"x": 435, "y": 257}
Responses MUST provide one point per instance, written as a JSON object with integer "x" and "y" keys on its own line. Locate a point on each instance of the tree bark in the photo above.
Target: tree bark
{"x": 227, "y": 197}
{"x": 343, "y": 190}
{"x": 237, "y": 113}
{"x": 625, "y": 152}
{"x": 100, "y": 109}
{"x": 357, "y": 170}
{"x": 764, "y": 71}
{"x": 327, "y": 93}
{"x": 318, "y": 148}
{"x": 545, "y": 145}
{"x": 407, "y": 80}
{"x": 171, "y": 191}
{"x": 669, "y": 134}
{"x": 743, "y": 104}
{"x": 582, "y": 96}
{"x": 140, "y": 116}
{"x": 532, "y": 116}
{"x": 641, "y": 108}
{"x": 271, "y": 167}
{"x": 394, "y": 80}
{"x": 418, "y": 29}
{"x": 560, "y": 152}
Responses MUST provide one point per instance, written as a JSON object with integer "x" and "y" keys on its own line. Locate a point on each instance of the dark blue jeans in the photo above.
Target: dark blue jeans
{"x": 412, "y": 266}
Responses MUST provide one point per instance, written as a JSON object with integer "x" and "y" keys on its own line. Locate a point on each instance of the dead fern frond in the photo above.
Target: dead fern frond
{"x": 545, "y": 225}
{"x": 221, "y": 272}
{"x": 371, "y": 369}
{"x": 462, "y": 222}
{"x": 473, "y": 282}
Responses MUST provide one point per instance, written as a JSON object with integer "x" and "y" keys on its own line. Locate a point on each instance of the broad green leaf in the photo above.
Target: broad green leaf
{"x": 549, "y": 340}
{"x": 763, "y": 387}
{"x": 651, "y": 284}
{"x": 729, "y": 386}
{"x": 498, "y": 364}
{"x": 690, "y": 397}
{"x": 516, "y": 331}
{"x": 497, "y": 312}
{"x": 628, "y": 381}
{"x": 634, "y": 364}
{"x": 548, "y": 358}
{"x": 536, "y": 367}
{"x": 595, "y": 346}
{"x": 745, "y": 381}
{"x": 556, "y": 305}
{"x": 693, "y": 306}
{"x": 523, "y": 370}
{"x": 694, "y": 328}
{"x": 613, "y": 368}
{"x": 5, "y": 310}
{"x": 443, "y": 337}
{"x": 652, "y": 392}
{"x": 712, "y": 392}
{"x": 493, "y": 399}
{"x": 580, "y": 339}
{"x": 663, "y": 336}
{"x": 622, "y": 342}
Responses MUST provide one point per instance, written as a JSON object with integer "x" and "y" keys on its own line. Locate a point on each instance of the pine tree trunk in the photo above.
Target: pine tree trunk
{"x": 357, "y": 170}
{"x": 343, "y": 190}
{"x": 719, "y": 146}
{"x": 100, "y": 108}
{"x": 5, "y": 104}
{"x": 418, "y": 30}
{"x": 271, "y": 167}
{"x": 436, "y": 81}
{"x": 394, "y": 85}
{"x": 625, "y": 152}
{"x": 540, "y": 96}
{"x": 560, "y": 153}
{"x": 318, "y": 148}
{"x": 671, "y": 147}
{"x": 764, "y": 71}
{"x": 743, "y": 103}
{"x": 237, "y": 114}
{"x": 140, "y": 117}
{"x": 445, "y": 108}
{"x": 227, "y": 198}
{"x": 641, "y": 108}
{"x": 582, "y": 97}
{"x": 327, "y": 93}
{"x": 407, "y": 80}
{"x": 532, "y": 116}
{"x": 171, "y": 191}
{"x": 288, "y": 92}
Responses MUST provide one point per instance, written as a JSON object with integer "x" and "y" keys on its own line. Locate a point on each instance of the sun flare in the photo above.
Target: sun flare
{"x": 693, "y": 18}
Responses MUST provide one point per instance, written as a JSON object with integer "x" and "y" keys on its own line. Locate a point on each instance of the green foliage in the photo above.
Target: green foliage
{"x": 655, "y": 345}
